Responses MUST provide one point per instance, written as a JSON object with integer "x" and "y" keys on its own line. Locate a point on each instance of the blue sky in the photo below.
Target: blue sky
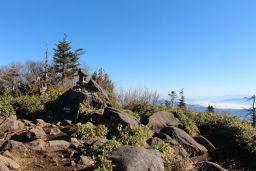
{"x": 207, "y": 47}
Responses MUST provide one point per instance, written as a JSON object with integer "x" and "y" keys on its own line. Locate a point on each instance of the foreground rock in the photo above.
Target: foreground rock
{"x": 9, "y": 163}
{"x": 129, "y": 158}
{"x": 116, "y": 116}
{"x": 58, "y": 145}
{"x": 35, "y": 132}
{"x": 185, "y": 140}
{"x": 159, "y": 120}
{"x": 11, "y": 124}
{"x": 16, "y": 148}
{"x": 37, "y": 145}
{"x": 209, "y": 166}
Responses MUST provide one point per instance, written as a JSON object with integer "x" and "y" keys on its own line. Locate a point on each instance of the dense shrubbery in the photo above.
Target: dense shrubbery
{"x": 239, "y": 131}
{"x": 138, "y": 136}
{"x": 186, "y": 117}
{"x": 26, "y": 104}
{"x": 6, "y": 108}
{"x": 83, "y": 132}
{"x": 167, "y": 151}
{"x": 34, "y": 104}
{"x": 146, "y": 109}
{"x": 242, "y": 132}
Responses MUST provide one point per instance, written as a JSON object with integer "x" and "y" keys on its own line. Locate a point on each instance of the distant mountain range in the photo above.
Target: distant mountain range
{"x": 235, "y": 105}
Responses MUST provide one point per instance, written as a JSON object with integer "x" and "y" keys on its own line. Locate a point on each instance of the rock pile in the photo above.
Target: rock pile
{"x": 47, "y": 146}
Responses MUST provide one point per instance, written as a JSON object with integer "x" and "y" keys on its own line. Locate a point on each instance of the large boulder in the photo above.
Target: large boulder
{"x": 11, "y": 124}
{"x": 95, "y": 87}
{"x": 9, "y": 163}
{"x": 159, "y": 120}
{"x": 91, "y": 95}
{"x": 58, "y": 145}
{"x": 16, "y": 148}
{"x": 209, "y": 166}
{"x": 188, "y": 143}
{"x": 130, "y": 158}
{"x": 205, "y": 142}
{"x": 37, "y": 145}
{"x": 115, "y": 116}
{"x": 35, "y": 132}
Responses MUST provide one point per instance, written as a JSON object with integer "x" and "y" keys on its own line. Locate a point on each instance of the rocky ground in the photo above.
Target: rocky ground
{"x": 34, "y": 144}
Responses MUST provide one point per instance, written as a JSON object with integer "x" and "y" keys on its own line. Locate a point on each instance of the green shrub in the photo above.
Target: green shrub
{"x": 167, "y": 150}
{"x": 6, "y": 108}
{"x": 135, "y": 114}
{"x": 187, "y": 118}
{"x": 34, "y": 104}
{"x": 102, "y": 161}
{"x": 230, "y": 127}
{"x": 113, "y": 100}
{"x": 146, "y": 109}
{"x": 138, "y": 136}
{"x": 83, "y": 132}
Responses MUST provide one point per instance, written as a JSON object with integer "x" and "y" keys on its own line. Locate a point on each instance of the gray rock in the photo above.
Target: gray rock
{"x": 85, "y": 160}
{"x": 41, "y": 123}
{"x": 205, "y": 142}
{"x": 9, "y": 163}
{"x": 3, "y": 167}
{"x": 37, "y": 145}
{"x": 10, "y": 125}
{"x": 55, "y": 131}
{"x": 208, "y": 166}
{"x": 130, "y": 158}
{"x": 2, "y": 142}
{"x": 95, "y": 142}
{"x": 116, "y": 116}
{"x": 155, "y": 141}
{"x": 180, "y": 152}
{"x": 58, "y": 145}
{"x": 187, "y": 142}
{"x": 36, "y": 132}
{"x": 74, "y": 143}
{"x": 16, "y": 148}
{"x": 90, "y": 95}
{"x": 28, "y": 123}
{"x": 93, "y": 86}
{"x": 159, "y": 120}
{"x": 9, "y": 155}
{"x": 67, "y": 122}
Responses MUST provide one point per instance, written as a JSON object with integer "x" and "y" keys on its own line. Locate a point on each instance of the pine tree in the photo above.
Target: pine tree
{"x": 11, "y": 79}
{"x": 182, "y": 100}
{"x": 65, "y": 61}
{"x": 210, "y": 109}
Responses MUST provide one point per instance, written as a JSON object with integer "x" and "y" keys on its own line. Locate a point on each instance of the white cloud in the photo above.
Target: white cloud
{"x": 219, "y": 105}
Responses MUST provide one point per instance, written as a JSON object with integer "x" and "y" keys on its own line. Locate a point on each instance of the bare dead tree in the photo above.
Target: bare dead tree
{"x": 130, "y": 96}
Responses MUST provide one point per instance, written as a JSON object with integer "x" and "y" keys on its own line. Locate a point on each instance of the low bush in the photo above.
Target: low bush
{"x": 146, "y": 109}
{"x": 167, "y": 150}
{"x": 6, "y": 108}
{"x": 135, "y": 114}
{"x": 83, "y": 132}
{"x": 102, "y": 161}
{"x": 187, "y": 118}
{"x": 230, "y": 127}
{"x": 34, "y": 104}
{"x": 138, "y": 136}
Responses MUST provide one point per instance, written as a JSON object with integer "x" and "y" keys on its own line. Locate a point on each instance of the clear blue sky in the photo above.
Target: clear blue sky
{"x": 207, "y": 47}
